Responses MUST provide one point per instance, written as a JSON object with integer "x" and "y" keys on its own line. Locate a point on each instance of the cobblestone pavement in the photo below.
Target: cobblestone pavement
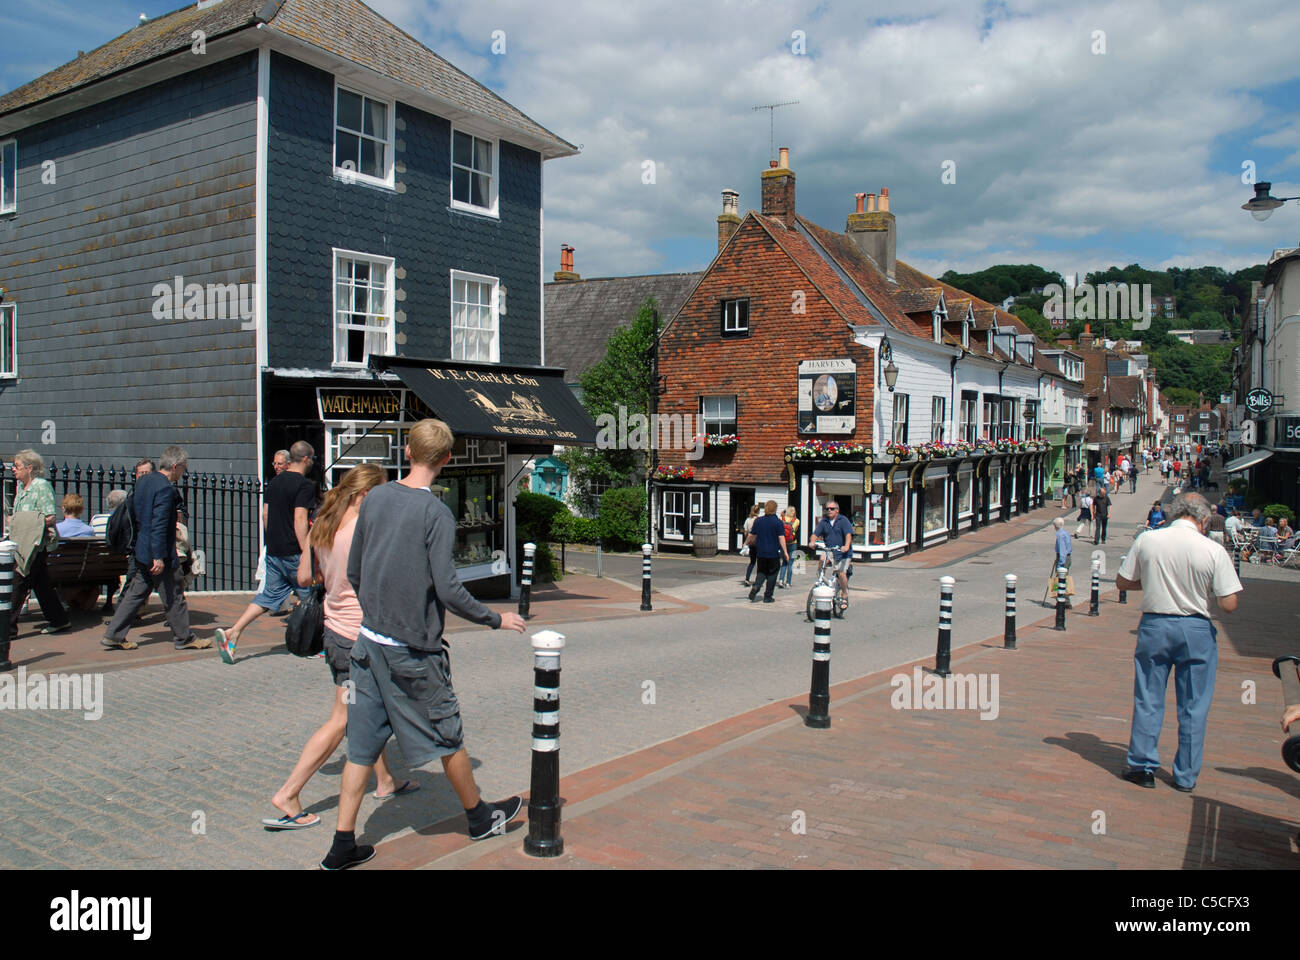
{"x": 191, "y": 744}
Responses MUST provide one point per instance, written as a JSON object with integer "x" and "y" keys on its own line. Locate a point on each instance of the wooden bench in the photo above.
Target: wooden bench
{"x": 86, "y": 562}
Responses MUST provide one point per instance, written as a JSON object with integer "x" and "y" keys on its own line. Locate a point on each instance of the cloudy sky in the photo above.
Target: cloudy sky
{"x": 1063, "y": 155}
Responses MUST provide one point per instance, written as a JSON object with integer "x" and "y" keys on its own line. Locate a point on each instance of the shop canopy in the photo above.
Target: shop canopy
{"x": 520, "y": 403}
{"x": 1252, "y": 459}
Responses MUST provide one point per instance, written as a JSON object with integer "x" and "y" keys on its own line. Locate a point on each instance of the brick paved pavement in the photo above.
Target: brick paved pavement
{"x": 898, "y": 788}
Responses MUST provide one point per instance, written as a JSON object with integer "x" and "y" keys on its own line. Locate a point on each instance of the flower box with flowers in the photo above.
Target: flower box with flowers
{"x": 901, "y": 450}
{"x": 717, "y": 440}
{"x": 827, "y": 450}
{"x": 674, "y": 473}
{"x": 1009, "y": 446}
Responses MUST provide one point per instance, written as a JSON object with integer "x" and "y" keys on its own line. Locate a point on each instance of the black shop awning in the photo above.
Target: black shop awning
{"x": 520, "y": 403}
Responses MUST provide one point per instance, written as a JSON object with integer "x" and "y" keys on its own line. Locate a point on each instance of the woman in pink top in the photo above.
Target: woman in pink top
{"x": 330, "y": 540}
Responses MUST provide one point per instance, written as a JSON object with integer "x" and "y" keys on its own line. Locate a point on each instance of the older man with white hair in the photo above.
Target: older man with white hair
{"x": 1175, "y": 567}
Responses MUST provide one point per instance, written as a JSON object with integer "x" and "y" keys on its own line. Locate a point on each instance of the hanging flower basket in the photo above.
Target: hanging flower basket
{"x": 826, "y": 449}
{"x": 674, "y": 473}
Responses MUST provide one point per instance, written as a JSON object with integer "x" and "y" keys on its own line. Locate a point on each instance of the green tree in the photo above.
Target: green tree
{"x": 620, "y": 379}
{"x": 1181, "y": 396}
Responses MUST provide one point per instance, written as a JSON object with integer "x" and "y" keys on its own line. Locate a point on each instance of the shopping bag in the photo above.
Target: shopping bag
{"x": 1069, "y": 585}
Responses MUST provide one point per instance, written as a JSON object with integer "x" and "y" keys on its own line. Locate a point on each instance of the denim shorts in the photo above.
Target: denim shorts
{"x": 338, "y": 653}
{"x": 281, "y": 580}
{"x": 404, "y": 693}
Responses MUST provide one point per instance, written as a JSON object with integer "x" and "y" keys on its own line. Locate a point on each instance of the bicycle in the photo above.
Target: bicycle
{"x": 827, "y": 577}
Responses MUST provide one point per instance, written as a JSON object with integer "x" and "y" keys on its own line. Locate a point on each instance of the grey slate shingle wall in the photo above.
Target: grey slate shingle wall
{"x": 310, "y": 211}
{"x": 153, "y": 184}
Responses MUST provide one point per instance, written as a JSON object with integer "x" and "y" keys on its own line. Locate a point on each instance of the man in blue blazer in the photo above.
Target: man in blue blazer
{"x": 155, "y": 510}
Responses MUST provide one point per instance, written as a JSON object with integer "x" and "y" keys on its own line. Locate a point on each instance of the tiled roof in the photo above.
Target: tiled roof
{"x": 922, "y": 300}
{"x": 865, "y": 277}
{"x": 837, "y": 293}
{"x": 581, "y": 314}
{"x": 345, "y": 28}
{"x": 1125, "y": 392}
{"x": 147, "y": 41}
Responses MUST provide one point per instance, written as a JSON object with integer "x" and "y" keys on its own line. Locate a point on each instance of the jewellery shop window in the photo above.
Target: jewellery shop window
{"x": 474, "y": 494}
{"x": 348, "y": 448}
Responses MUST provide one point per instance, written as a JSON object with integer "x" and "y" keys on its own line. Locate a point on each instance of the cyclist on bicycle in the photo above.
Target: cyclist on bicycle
{"x": 836, "y": 532}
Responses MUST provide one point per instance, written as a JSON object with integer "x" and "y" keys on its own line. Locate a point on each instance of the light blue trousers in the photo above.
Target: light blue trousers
{"x": 1187, "y": 644}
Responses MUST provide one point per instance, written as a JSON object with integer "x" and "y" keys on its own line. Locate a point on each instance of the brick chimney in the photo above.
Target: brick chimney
{"x": 874, "y": 232}
{"x": 565, "y": 274}
{"x": 778, "y": 190}
{"x": 1086, "y": 338}
{"x": 729, "y": 218}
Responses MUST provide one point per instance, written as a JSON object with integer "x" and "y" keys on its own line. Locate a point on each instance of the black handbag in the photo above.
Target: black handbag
{"x": 304, "y": 631}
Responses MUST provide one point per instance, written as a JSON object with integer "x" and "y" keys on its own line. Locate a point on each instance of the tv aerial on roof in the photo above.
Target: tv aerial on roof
{"x": 771, "y": 113}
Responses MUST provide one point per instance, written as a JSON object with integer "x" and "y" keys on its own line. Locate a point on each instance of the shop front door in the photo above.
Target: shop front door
{"x": 742, "y": 501}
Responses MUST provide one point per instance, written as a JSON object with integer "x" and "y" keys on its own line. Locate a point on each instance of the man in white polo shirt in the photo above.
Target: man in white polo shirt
{"x": 1175, "y": 567}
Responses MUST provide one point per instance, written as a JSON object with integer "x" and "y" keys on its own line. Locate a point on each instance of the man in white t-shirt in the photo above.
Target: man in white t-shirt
{"x": 1175, "y": 567}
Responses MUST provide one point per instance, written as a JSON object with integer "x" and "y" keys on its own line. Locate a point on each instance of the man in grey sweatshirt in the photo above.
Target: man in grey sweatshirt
{"x": 402, "y": 571}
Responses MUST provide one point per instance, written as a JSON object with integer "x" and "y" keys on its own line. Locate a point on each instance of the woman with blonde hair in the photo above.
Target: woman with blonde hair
{"x": 791, "y": 518}
{"x": 331, "y": 540}
{"x": 753, "y": 557}
{"x": 34, "y": 500}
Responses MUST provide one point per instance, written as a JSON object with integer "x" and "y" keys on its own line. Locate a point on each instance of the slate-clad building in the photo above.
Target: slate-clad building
{"x": 220, "y": 217}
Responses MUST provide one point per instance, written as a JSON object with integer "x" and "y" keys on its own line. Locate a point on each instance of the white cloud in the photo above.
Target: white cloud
{"x": 1063, "y": 156}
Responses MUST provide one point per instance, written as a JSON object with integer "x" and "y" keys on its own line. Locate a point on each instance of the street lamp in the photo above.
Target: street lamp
{"x": 1262, "y": 205}
{"x": 887, "y": 355}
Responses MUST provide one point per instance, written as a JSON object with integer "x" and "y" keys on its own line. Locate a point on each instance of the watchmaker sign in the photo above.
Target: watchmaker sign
{"x": 827, "y": 391}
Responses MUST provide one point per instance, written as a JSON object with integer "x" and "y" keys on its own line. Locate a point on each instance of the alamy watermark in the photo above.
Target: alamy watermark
{"x": 58, "y": 691}
{"x": 958, "y": 691}
{"x": 179, "y": 300}
{"x": 660, "y": 431}
{"x": 1109, "y": 301}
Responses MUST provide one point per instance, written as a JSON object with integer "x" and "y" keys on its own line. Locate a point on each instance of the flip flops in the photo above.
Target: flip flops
{"x": 290, "y": 823}
{"x": 410, "y": 786}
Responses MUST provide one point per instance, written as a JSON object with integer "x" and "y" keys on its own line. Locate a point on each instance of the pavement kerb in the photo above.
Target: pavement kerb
{"x": 846, "y": 691}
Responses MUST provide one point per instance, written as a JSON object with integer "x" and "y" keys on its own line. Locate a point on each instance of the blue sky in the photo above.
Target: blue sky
{"x": 1065, "y": 156}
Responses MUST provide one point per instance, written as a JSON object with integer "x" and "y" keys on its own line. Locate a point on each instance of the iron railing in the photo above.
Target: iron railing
{"x": 222, "y": 511}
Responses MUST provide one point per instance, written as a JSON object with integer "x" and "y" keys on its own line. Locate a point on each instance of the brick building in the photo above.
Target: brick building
{"x": 820, "y": 366}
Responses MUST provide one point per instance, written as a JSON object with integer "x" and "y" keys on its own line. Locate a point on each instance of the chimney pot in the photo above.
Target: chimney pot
{"x": 785, "y": 158}
{"x": 871, "y": 203}
{"x": 771, "y": 164}
{"x": 860, "y": 197}
{"x": 566, "y": 265}
{"x": 729, "y": 219}
{"x": 884, "y": 199}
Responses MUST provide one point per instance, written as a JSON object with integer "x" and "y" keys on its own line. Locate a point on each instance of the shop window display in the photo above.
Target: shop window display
{"x": 965, "y": 488}
{"x": 935, "y": 516}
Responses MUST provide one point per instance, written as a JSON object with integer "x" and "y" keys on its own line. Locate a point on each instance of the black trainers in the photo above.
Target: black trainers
{"x": 1143, "y": 778}
{"x": 499, "y": 814}
{"x": 350, "y": 858}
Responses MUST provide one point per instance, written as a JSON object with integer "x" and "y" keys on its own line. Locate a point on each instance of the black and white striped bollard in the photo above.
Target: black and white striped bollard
{"x": 1123, "y": 594}
{"x": 1009, "y": 636}
{"x": 544, "y": 838}
{"x": 1094, "y": 602}
{"x": 1236, "y": 558}
{"x": 645, "y": 576}
{"x": 819, "y": 695}
{"x": 526, "y": 586}
{"x": 943, "y": 656}
{"x": 7, "y": 548}
{"x": 1061, "y": 598}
